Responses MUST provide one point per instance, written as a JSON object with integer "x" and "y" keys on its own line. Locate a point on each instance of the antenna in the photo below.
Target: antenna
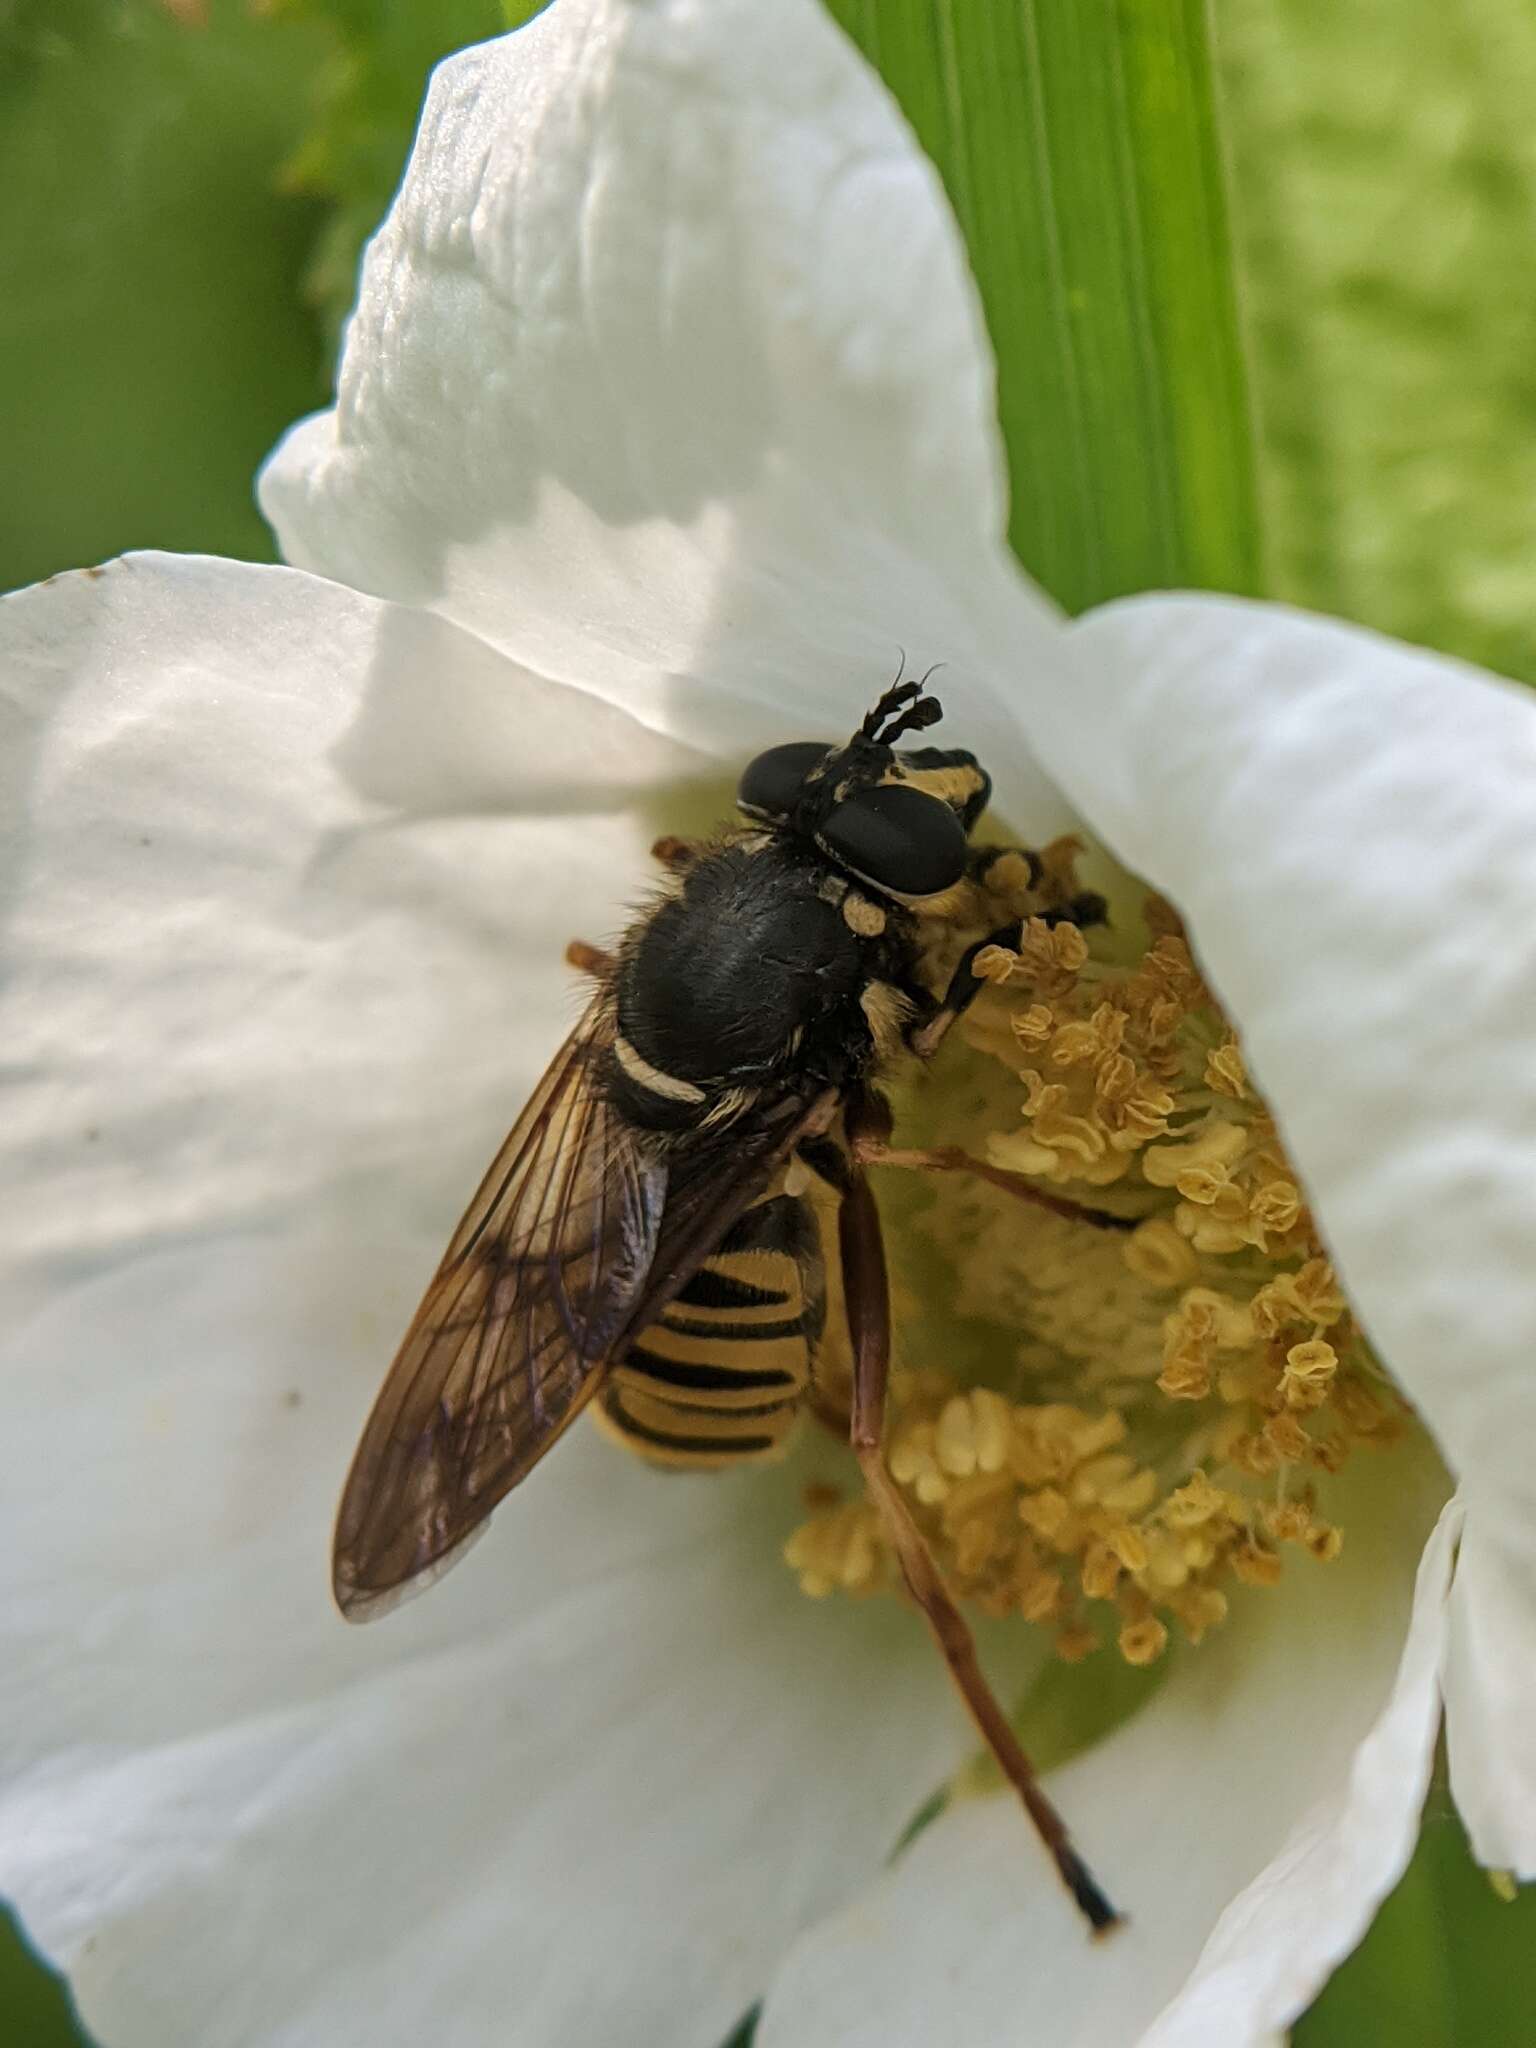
{"x": 902, "y": 708}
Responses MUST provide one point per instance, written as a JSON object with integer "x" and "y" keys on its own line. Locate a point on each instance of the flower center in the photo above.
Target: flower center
{"x": 1170, "y": 1403}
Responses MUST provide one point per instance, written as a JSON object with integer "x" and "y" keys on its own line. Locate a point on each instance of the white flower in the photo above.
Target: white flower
{"x": 667, "y": 387}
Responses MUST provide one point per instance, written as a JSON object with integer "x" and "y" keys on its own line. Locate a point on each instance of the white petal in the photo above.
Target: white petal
{"x": 1275, "y": 1781}
{"x": 584, "y": 1792}
{"x": 1276, "y": 1944}
{"x": 668, "y": 377}
{"x": 290, "y": 873}
{"x": 1491, "y": 1683}
{"x": 1348, "y": 825}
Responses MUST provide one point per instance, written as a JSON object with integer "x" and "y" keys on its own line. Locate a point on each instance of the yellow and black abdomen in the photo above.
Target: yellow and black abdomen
{"x": 719, "y": 1378}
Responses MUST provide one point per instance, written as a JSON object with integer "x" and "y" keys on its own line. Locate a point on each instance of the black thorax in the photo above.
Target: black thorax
{"x": 746, "y": 982}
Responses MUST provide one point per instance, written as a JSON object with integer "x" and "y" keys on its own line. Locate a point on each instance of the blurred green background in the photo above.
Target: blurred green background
{"x": 1293, "y": 354}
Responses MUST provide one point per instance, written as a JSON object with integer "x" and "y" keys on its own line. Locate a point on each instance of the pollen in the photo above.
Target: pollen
{"x": 1154, "y": 1431}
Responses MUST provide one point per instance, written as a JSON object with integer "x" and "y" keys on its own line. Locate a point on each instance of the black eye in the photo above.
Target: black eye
{"x": 771, "y": 785}
{"x": 899, "y": 839}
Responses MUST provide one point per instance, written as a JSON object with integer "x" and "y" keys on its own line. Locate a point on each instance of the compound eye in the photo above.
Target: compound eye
{"x": 773, "y": 783}
{"x": 900, "y": 839}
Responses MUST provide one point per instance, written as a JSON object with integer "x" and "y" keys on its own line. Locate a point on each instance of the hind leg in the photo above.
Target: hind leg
{"x": 868, "y": 1306}
{"x": 589, "y": 959}
{"x": 677, "y": 855}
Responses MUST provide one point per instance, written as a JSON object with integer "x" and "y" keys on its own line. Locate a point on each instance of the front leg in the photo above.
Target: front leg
{"x": 965, "y": 984}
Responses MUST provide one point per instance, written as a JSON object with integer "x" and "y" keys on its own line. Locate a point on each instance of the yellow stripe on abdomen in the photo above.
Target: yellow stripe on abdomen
{"x": 720, "y": 1376}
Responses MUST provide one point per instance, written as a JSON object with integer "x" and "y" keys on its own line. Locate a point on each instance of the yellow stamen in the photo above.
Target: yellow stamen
{"x": 1225, "y": 1071}
{"x": 1143, "y": 1642}
{"x": 1174, "y": 1396}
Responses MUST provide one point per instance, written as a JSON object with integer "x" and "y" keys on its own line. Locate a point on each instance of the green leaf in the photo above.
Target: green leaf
{"x": 1077, "y": 140}
{"x": 367, "y": 99}
{"x": 1070, "y": 1707}
{"x": 151, "y": 346}
{"x": 1385, "y": 186}
{"x": 1447, "y": 1961}
{"x": 34, "y": 2005}
{"x": 743, "y": 2035}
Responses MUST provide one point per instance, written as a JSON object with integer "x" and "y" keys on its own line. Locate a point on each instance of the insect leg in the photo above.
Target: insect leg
{"x": 869, "y": 1325}
{"x": 955, "y": 1159}
{"x": 870, "y": 1145}
{"x": 676, "y": 854}
{"x": 589, "y": 959}
{"x": 965, "y": 984}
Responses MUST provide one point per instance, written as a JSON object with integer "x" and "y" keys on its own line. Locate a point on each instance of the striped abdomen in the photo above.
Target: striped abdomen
{"x": 719, "y": 1377}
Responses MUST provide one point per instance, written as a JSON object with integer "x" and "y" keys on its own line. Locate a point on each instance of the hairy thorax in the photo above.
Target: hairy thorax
{"x": 749, "y": 972}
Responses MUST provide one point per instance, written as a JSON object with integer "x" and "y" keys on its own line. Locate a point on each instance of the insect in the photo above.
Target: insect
{"x": 647, "y": 1238}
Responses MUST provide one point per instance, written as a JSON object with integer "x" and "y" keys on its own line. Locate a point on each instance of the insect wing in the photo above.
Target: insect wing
{"x": 512, "y": 1336}
{"x": 711, "y": 1185}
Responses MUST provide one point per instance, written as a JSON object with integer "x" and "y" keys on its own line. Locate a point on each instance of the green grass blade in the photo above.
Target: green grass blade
{"x": 1079, "y": 146}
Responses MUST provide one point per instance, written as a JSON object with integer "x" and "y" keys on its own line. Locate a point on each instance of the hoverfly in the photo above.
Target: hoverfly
{"x": 644, "y": 1241}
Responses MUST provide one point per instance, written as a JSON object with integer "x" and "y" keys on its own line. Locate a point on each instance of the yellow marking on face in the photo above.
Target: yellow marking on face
{"x": 954, "y": 785}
